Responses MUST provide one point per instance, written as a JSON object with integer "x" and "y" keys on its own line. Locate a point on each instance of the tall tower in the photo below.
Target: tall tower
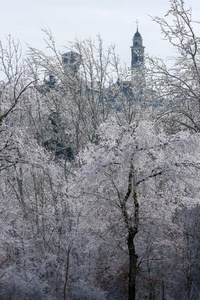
{"x": 137, "y": 52}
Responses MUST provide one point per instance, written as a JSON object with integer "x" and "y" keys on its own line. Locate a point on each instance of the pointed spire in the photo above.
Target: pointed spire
{"x": 137, "y": 24}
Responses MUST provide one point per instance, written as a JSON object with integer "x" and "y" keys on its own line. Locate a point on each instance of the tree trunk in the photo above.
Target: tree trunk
{"x": 132, "y": 265}
{"x": 66, "y": 275}
{"x": 132, "y": 231}
{"x": 151, "y": 291}
{"x": 163, "y": 290}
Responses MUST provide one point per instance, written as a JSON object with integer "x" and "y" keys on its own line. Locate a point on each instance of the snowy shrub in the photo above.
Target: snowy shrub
{"x": 84, "y": 291}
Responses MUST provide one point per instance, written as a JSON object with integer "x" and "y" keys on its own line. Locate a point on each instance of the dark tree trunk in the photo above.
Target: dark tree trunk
{"x": 163, "y": 290}
{"x": 132, "y": 226}
{"x": 132, "y": 265}
{"x": 66, "y": 275}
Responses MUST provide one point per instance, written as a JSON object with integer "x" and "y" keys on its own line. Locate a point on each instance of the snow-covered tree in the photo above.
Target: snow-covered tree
{"x": 177, "y": 82}
{"x": 127, "y": 189}
{"x": 15, "y": 77}
{"x": 85, "y": 86}
{"x": 185, "y": 276}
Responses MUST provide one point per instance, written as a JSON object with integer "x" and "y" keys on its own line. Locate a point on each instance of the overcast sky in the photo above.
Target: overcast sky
{"x": 114, "y": 20}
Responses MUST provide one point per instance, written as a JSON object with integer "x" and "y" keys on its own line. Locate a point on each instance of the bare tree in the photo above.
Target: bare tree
{"x": 16, "y": 78}
{"x": 177, "y": 83}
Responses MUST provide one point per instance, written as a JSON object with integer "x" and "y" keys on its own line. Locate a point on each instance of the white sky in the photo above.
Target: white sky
{"x": 114, "y": 20}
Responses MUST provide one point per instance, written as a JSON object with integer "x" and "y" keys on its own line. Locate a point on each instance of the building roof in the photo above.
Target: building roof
{"x": 137, "y": 34}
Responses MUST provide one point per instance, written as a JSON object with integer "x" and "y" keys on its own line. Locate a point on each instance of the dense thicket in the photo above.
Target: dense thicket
{"x": 99, "y": 171}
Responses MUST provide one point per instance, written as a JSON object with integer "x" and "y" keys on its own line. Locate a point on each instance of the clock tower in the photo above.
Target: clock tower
{"x": 137, "y": 52}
